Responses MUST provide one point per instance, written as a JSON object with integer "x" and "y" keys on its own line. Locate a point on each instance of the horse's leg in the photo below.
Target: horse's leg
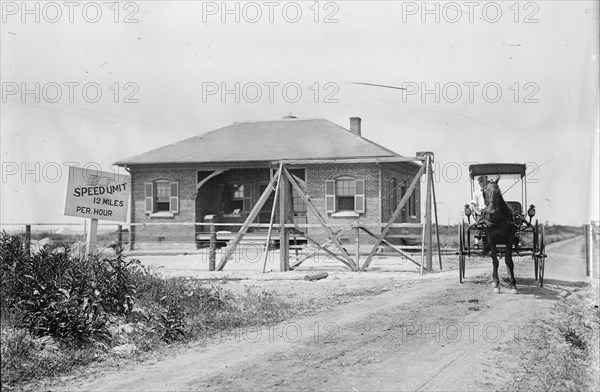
{"x": 495, "y": 279}
{"x": 510, "y": 265}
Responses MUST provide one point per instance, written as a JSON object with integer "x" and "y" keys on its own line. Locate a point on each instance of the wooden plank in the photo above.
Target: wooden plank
{"x": 256, "y": 225}
{"x": 92, "y": 237}
{"x": 423, "y": 249}
{"x": 316, "y": 276}
{"x": 437, "y": 227}
{"x": 348, "y": 160}
{"x": 394, "y": 247}
{"x": 358, "y": 248}
{"x": 253, "y": 214}
{"x": 212, "y": 253}
{"x": 395, "y": 215}
{"x": 320, "y": 246}
{"x": 271, "y": 220}
{"x": 320, "y": 219}
{"x": 28, "y": 239}
{"x": 284, "y": 252}
{"x": 428, "y": 233}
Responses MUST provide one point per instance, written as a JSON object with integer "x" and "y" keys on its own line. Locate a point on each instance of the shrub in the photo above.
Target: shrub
{"x": 81, "y": 305}
{"x": 171, "y": 321}
{"x": 63, "y": 296}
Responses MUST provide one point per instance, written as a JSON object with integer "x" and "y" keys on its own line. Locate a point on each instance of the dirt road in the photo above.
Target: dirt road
{"x": 428, "y": 333}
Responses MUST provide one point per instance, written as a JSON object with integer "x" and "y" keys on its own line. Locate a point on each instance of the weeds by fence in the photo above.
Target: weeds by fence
{"x": 59, "y": 311}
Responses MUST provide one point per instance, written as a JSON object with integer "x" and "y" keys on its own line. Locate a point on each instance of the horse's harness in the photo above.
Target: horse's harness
{"x": 487, "y": 219}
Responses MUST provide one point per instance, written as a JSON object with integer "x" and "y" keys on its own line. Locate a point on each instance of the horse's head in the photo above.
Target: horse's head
{"x": 491, "y": 193}
{"x": 495, "y": 202}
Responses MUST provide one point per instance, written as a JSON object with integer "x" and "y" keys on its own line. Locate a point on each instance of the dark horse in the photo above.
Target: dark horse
{"x": 499, "y": 229}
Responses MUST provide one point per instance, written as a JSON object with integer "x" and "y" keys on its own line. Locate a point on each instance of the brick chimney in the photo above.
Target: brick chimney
{"x": 355, "y": 125}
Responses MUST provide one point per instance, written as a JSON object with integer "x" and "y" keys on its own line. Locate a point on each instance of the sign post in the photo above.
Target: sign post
{"x": 92, "y": 237}
{"x": 95, "y": 195}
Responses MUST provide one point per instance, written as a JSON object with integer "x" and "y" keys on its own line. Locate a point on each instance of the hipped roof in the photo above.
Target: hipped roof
{"x": 287, "y": 139}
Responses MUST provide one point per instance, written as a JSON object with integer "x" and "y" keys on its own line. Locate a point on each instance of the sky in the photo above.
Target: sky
{"x": 90, "y": 83}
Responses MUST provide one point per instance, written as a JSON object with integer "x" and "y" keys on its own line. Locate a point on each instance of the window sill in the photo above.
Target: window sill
{"x": 345, "y": 214}
{"x": 162, "y": 214}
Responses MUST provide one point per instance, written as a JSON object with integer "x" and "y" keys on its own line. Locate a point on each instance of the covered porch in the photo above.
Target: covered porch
{"x": 225, "y": 196}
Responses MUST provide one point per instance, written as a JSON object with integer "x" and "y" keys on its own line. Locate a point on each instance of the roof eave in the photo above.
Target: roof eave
{"x": 375, "y": 159}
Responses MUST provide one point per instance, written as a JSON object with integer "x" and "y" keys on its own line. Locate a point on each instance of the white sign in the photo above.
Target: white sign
{"x": 97, "y": 195}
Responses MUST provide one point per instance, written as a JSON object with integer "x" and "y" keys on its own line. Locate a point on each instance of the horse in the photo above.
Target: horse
{"x": 499, "y": 228}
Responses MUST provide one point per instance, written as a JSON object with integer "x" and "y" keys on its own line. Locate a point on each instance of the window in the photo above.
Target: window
{"x": 402, "y": 193}
{"x": 298, "y": 204}
{"x": 163, "y": 193}
{"x": 345, "y": 194}
{"x": 236, "y": 201}
{"x": 235, "y": 198}
{"x": 161, "y": 196}
{"x": 412, "y": 204}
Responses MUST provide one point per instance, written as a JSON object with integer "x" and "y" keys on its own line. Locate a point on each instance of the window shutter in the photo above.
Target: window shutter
{"x": 359, "y": 196}
{"x": 247, "y": 197}
{"x": 149, "y": 197}
{"x": 330, "y": 195}
{"x": 174, "y": 199}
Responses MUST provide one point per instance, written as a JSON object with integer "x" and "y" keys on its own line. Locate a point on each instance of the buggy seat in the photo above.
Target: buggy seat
{"x": 516, "y": 207}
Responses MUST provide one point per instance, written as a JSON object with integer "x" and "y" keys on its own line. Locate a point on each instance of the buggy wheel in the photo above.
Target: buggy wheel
{"x": 467, "y": 240}
{"x": 542, "y": 257}
{"x": 536, "y": 241}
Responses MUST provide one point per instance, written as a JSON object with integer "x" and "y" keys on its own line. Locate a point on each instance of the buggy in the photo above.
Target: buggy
{"x": 529, "y": 236}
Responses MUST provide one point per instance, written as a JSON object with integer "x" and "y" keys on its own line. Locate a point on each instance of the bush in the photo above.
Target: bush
{"x": 62, "y": 296}
{"x": 84, "y": 305}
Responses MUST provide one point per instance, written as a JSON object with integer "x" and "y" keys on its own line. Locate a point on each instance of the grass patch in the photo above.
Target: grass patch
{"x": 562, "y": 352}
{"x": 60, "y": 312}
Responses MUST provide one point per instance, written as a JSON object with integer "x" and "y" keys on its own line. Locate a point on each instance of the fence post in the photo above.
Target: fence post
{"x": 119, "y": 237}
{"x": 284, "y": 244}
{"x": 588, "y": 260}
{"x": 92, "y": 237}
{"x": 212, "y": 256}
{"x": 428, "y": 231}
{"x": 358, "y": 248}
{"x": 28, "y": 239}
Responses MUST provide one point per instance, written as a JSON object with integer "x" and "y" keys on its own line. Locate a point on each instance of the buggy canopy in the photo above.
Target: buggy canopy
{"x": 497, "y": 168}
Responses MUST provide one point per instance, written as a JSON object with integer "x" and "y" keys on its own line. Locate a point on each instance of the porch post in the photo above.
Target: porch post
{"x": 284, "y": 251}
{"x": 428, "y": 233}
{"x": 212, "y": 253}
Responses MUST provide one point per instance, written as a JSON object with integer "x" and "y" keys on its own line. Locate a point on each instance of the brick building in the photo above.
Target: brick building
{"x": 220, "y": 175}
